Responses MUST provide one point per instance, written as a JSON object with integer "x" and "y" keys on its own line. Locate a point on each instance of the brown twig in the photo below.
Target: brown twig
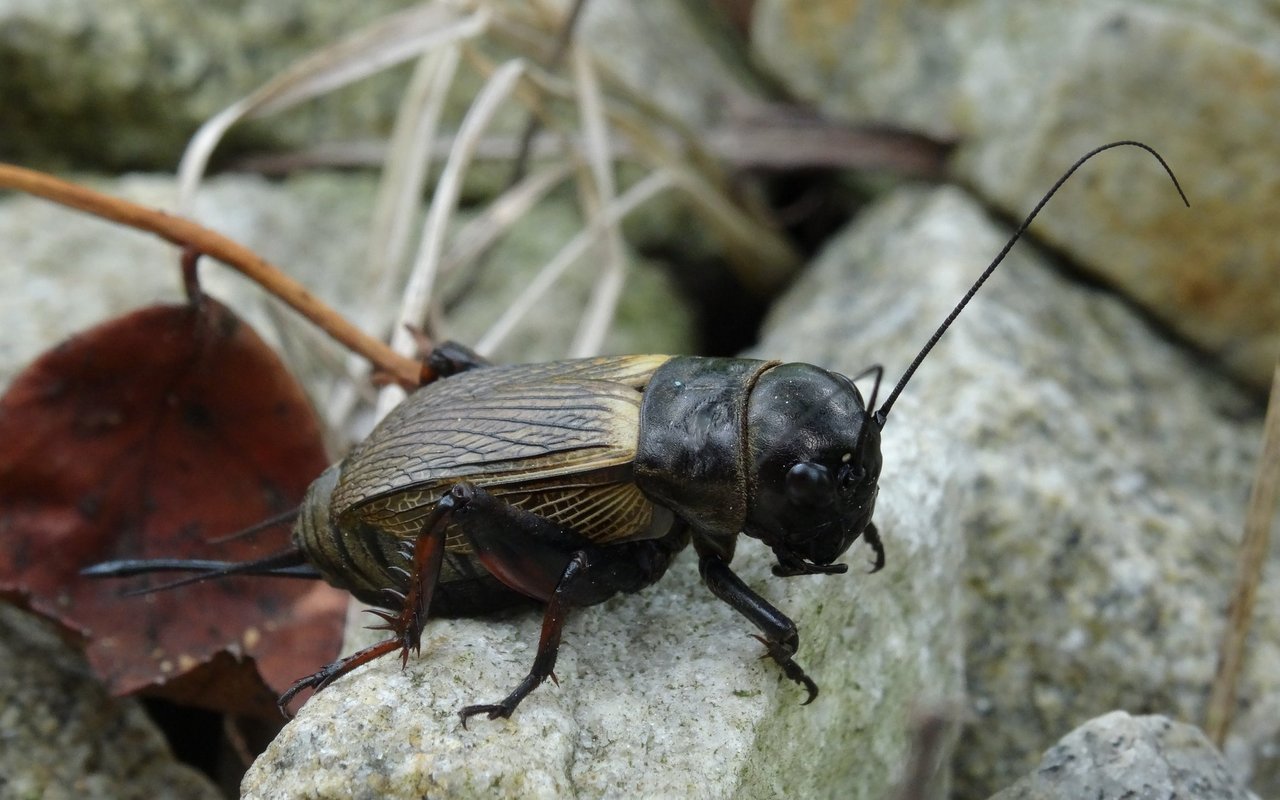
{"x": 190, "y": 261}
{"x": 198, "y": 239}
{"x": 1253, "y": 554}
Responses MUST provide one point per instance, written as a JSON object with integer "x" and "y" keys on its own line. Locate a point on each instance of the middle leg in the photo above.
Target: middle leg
{"x": 550, "y": 562}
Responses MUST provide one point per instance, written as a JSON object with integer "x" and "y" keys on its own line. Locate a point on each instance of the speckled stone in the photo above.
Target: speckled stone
{"x": 61, "y": 737}
{"x": 1027, "y": 88}
{"x": 1118, "y": 755}
{"x": 124, "y": 83}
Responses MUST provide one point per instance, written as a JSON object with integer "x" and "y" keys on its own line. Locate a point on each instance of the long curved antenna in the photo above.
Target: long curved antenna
{"x": 882, "y": 414}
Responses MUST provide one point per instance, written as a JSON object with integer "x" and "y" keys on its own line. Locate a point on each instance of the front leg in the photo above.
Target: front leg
{"x": 781, "y": 638}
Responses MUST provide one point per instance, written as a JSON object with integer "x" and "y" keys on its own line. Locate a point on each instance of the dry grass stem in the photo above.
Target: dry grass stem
{"x": 1253, "y": 555}
{"x": 404, "y": 172}
{"x": 762, "y": 258}
{"x": 475, "y": 238}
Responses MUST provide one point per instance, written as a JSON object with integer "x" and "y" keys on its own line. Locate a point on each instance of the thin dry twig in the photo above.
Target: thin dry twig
{"x": 196, "y": 238}
{"x": 405, "y": 165}
{"x": 779, "y": 142}
{"x": 1253, "y": 555}
{"x": 738, "y": 144}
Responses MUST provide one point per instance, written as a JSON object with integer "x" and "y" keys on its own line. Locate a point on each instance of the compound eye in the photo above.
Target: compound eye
{"x": 851, "y": 474}
{"x": 810, "y": 485}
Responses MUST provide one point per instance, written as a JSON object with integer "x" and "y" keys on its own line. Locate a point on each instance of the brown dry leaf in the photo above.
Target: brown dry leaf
{"x": 142, "y": 438}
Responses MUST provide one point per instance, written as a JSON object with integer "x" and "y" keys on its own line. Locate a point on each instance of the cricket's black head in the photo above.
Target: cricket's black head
{"x": 814, "y": 458}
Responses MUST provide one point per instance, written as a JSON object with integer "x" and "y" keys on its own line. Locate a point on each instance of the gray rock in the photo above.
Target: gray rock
{"x": 1026, "y": 88}
{"x": 123, "y": 84}
{"x": 116, "y": 83}
{"x": 1102, "y": 480}
{"x": 61, "y": 737}
{"x": 1118, "y": 755}
{"x": 658, "y": 48}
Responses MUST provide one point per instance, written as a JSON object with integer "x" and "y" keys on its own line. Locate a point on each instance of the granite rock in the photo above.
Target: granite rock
{"x": 1027, "y": 88}
{"x": 123, "y": 84}
{"x": 61, "y": 737}
{"x": 1118, "y": 755}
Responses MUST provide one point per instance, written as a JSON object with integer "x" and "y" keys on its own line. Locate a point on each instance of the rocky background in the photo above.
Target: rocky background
{"x": 1064, "y": 482}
